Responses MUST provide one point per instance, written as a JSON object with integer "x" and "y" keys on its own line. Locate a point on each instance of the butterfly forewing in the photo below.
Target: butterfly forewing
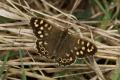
{"x": 47, "y": 36}
{"x": 52, "y": 42}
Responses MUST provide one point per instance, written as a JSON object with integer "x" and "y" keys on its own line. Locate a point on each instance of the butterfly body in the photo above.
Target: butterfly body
{"x": 53, "y": 42}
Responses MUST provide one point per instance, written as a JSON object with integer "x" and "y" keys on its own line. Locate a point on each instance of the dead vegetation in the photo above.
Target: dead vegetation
{"x": 96, "y": 21}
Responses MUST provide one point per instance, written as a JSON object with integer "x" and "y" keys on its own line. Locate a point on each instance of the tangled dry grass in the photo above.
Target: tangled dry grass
{"x": 18, "y": 58}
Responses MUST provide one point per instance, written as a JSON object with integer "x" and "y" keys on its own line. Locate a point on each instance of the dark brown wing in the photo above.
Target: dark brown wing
{"x": 73, "y": 46}
{"x": 47, "y": 36}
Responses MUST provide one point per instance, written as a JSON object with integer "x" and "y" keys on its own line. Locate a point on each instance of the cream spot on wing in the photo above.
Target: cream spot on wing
{"x": 67, "y": 54}
{"x": 81, "y": 52}
{"x": 46, "y": 25}
{"x": 82, "y": 42}
{"x": 41, "y": 22}
{"x": 92, "y": 47}
{"x": 71, "y": 59}
{"x": 88, "y": 50}
{"x": 39, "y": 32}
{"x": 40, "y": 42}
{"x": 41, "y": 28}
{"x": 41, "y": 36}
{"x": 78, "y": 41}
{"x": 83, "y": 48}
{"x": 45, "y": 43}
{"x": 36, "y": 20}
{"x": 35, "y": 23}
{"x": 75, "y": 48}
{"x": 88, "y": 44}
{"x": 77, "y": 53}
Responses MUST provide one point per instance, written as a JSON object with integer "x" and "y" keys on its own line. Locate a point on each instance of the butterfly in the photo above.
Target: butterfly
{"x": 60, "y": 45}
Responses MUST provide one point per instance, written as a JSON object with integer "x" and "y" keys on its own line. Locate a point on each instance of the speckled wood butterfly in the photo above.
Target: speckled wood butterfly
{"x": 54, "y": 43}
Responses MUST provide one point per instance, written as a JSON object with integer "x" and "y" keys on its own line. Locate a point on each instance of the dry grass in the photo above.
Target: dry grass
{"x": 17, "y": 41}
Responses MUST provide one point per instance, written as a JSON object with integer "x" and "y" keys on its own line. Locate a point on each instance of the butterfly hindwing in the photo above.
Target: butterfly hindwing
{"x": 73, "y": 47}
{"x": 84, "y": 48}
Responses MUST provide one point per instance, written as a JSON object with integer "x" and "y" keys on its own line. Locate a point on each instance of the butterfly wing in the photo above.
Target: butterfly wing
{"x": 73, "y": 47}
{"x": 47, "y": 36}
{"x": 84, "y": 48}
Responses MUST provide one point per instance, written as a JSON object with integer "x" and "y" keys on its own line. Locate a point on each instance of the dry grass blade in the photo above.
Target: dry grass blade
{"x": 17, "y": 34}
